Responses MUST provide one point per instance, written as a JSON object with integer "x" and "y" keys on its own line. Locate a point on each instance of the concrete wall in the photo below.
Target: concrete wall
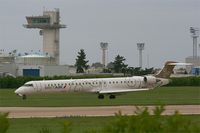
{"x": 195, "y": 62}
{"x": 7, "y": 59}
{"x": 8, "y": 68}
{"x": 48, "y": 70}
{"x": 35, "y": 60}
{"x": 53, "y": 16}
{"x": 56, "y": 70}
{"x": 51, "y": 36}
{"x": 51, "y": 43}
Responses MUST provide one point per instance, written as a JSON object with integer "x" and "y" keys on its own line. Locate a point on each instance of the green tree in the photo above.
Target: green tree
{"x": 4, "y": 123}
{"x": 45, "y": 130}
{"x": 81, "y": 62}
{"x": 145, "y": 122}
{"x": 137, "y": 71}
{"x": 118, "y": 64}
{"x": 118, "y": 125}
{"x": 67, "y": 127}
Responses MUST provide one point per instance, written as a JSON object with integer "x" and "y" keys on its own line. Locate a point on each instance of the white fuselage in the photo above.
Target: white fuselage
{"x": 98, "y": 85}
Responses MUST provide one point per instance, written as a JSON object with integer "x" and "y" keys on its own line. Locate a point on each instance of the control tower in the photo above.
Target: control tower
{"x": 49, "y": 23}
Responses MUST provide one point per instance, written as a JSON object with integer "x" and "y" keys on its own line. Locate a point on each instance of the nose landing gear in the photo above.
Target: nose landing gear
{"x": 24, "y": 97}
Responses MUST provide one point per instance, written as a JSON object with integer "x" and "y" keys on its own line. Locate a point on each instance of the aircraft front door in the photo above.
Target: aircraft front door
{"x": 103, "y": 84}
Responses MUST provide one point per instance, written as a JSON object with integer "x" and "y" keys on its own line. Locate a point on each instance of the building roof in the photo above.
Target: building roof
{"x": 35, "y": 56}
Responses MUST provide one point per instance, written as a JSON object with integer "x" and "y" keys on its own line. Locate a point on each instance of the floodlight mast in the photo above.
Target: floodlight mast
{"x": 104, "y": 47}
{"x": 140, "y": 47}
{"x": 195, "y": 34}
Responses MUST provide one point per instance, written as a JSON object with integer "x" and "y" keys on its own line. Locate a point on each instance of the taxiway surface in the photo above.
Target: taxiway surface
{"x": 28, "y": 112}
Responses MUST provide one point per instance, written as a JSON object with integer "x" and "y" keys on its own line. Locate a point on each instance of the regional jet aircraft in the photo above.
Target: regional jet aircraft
{"x": 100, "y": 86}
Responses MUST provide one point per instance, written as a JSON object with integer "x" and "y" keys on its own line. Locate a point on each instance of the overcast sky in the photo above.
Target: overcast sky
{"x": 163, "y": 25}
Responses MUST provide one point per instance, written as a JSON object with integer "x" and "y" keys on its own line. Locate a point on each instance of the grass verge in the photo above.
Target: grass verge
{"x": 79, "y": 124}
{"x": 163, "y": 95}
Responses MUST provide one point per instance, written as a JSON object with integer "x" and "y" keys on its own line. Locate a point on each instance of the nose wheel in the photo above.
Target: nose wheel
{"x": 24, "y": 97}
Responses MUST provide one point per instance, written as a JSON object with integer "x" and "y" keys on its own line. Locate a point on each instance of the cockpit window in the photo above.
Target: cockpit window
{"x": 28, "y": 85}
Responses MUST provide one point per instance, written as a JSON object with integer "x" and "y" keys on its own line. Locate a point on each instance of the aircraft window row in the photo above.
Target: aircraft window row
{"x": 86, "y": 83}
{"x": 49, "y": 85}
{"x": 116, "y": 82}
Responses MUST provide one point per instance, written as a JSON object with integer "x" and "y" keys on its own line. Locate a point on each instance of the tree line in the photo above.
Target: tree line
{"x": 10, "y": 82}
{"x": 117, "y": 66}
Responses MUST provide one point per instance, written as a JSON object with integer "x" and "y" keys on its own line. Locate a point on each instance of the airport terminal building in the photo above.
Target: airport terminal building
{"x": 32, "y": 65}
{"x": 195, "y": 68}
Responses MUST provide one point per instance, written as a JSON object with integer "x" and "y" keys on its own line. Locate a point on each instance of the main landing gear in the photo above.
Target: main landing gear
{"x": 112, "y": 96}
{"x": 100, "y": 96}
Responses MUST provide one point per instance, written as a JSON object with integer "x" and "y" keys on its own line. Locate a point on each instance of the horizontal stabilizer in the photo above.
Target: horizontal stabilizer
{"x": 112, "y": 91}
{"x": 180, "y": 64}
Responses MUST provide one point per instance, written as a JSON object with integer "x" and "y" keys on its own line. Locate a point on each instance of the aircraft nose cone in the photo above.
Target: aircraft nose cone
{"x": 18, "y": 91}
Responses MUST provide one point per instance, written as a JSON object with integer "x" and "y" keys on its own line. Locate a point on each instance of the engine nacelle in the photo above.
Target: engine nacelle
{"x": 150, "y": 79}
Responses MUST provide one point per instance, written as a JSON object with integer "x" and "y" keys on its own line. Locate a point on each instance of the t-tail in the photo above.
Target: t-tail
{"x": 167, "y": 70}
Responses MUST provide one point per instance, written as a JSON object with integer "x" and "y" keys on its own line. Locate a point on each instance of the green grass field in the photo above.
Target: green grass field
{"x": 79, "y": 124}
{"x": 163, "y": 95}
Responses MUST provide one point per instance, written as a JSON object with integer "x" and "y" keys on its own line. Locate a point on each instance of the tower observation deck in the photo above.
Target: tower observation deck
{"x": 49, "y": 23}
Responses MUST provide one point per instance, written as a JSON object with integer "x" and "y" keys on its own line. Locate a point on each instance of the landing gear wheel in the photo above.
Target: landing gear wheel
{"x": 101, "y": 96}
{"x": 24, "y": 97}
{"x": 112, "y": 96}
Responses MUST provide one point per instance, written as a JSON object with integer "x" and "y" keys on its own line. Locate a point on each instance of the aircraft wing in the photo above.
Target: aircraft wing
{"x": 122, "y": 90}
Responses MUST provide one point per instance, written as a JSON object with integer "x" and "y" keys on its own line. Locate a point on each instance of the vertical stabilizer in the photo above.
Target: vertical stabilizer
{"x": 167, "y": 70}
